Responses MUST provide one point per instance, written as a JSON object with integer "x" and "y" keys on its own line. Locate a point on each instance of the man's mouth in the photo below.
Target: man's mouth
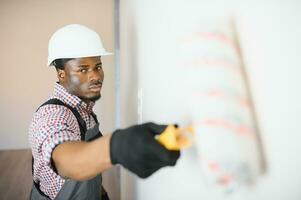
{"x": 95, "y": 87}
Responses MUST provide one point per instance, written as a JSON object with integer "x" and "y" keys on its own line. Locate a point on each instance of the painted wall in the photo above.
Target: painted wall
{"x": 268, "y": 34}
{"x": 26, "y": 81}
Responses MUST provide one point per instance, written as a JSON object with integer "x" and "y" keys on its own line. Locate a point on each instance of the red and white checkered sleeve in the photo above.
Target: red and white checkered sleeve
{"x": 59, "y": 125}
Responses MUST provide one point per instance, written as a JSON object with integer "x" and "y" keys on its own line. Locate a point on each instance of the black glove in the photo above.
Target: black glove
{"x": 136, "y": 149}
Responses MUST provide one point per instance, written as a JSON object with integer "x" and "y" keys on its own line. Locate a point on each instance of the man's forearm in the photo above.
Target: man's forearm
{"x": 80, "y": 160}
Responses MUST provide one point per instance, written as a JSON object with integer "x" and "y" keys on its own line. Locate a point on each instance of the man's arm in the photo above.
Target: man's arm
{"x": 79, "y": 160}
{"x": 135, "y": 148}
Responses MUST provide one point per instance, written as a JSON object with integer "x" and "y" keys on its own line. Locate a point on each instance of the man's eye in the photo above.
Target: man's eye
{"x": 98, "y": 67}
{"x": 83, "y": 70}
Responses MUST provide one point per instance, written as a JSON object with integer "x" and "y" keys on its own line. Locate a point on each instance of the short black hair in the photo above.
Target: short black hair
{"x": 60, "y": 63}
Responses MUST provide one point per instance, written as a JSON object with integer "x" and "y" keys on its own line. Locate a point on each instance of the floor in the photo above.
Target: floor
{"x": 16, "y": 180}
{"x": 15, "y": 173}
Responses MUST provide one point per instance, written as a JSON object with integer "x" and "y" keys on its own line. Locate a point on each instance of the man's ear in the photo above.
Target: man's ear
{"x": 61, "y": 75}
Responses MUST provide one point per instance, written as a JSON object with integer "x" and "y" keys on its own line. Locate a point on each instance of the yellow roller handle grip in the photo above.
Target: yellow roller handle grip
{"x": 176, "y": 138}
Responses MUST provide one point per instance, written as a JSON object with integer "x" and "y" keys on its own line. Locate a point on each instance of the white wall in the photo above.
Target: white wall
{"x": 268, "y": 33}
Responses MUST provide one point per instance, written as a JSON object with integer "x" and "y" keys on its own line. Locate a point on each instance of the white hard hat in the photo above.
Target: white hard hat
{"x": 75, "y": 41}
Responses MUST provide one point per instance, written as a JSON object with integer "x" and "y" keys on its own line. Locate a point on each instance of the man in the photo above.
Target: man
{"x": 69, "y": 152}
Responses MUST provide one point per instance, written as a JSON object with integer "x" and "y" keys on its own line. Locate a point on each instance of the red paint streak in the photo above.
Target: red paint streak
{"x": 211, "y": 64}
{"x": 215, "y": 62}
{"x": 213, "y": 166}
{"x": 211, "y": 36}
{"x": 220, "y": 94}
{"x": 238, "y": 129}
{"x": 244, "y": 103}
{"x": 225, "y": 179}
{"x": 215, "y": 93}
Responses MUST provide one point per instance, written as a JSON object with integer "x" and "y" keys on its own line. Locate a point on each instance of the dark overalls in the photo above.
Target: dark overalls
{"x": 76, "y": 190}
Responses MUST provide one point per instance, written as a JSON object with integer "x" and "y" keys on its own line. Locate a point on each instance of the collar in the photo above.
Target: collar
{"x": 61, "y": 93}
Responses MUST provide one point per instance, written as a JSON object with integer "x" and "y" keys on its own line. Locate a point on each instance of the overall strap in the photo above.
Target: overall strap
{"x": 81, "y": 122}
{"x": 94, "y": 117}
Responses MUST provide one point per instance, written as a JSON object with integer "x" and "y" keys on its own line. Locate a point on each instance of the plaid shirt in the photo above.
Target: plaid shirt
{"x": 52, "y": 125}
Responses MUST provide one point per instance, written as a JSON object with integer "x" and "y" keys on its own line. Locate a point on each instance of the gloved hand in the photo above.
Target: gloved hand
{"x": 136, "y": 149}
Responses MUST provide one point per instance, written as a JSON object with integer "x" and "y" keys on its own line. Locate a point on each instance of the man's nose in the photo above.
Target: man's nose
{"x": 96, "y": 75}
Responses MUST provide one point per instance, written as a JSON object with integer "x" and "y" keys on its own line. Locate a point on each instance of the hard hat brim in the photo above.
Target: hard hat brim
{"x": 50, "y": 60}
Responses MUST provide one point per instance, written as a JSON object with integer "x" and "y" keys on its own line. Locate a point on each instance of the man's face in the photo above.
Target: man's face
{"x": 83, "y": 77}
